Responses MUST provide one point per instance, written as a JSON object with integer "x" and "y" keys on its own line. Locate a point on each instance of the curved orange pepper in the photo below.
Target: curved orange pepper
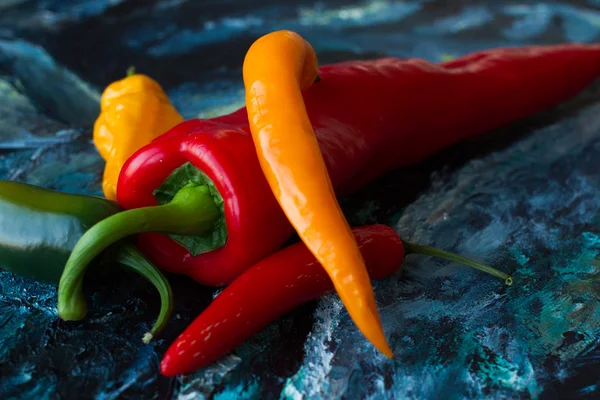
{"x": 277, "y": 67}
{"x": 134, "y": 111}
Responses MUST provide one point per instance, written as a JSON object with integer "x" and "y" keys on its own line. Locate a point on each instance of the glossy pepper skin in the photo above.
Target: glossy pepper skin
{"x": 277, "y": 285}
{"x": 40, "y": 227}
{"x": 134, "y": 111}
{"x": 369, "y": 117}
{"x": 291, "y": 160}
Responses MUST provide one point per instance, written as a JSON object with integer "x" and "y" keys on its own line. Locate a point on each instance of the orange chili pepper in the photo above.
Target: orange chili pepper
{"x": 134, "y": 111}
{"x": 277, "y": 67}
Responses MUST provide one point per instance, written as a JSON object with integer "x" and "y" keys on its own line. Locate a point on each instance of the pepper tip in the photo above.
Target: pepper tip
{"x": 130, "y": 71}
{"x": 147, "y": 338}
{"x": 167, "y": 368}
{"x": 73, "y": 312}
{"x": 386, "y": 351}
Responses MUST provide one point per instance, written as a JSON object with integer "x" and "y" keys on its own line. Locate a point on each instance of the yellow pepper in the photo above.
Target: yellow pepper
{"x": 133, "y": 111}
{"x": 277, "y": 67}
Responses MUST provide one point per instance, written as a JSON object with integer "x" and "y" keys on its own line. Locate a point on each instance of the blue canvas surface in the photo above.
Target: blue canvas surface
{"x": 525, "y": 198}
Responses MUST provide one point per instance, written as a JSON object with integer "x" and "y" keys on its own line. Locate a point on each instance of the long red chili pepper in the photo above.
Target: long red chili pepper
{"x": 368, "y": 116}
{"x": 277, "y": 285}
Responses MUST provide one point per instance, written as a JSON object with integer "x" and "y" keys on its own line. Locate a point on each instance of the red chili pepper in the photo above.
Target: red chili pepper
{"x": 369, "y": 117}
{"x": 277, "y": 285}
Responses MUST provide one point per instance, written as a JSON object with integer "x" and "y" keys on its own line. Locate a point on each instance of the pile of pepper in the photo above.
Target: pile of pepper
{"x": 216, "y": 199}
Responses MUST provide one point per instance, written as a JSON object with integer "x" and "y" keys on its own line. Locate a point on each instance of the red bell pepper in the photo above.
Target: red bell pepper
{"x": 277, "y": 285}
{"x": 369, "y": 117}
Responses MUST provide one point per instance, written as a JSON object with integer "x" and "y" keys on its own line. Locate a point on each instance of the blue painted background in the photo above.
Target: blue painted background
{"x": 525, "y": 198}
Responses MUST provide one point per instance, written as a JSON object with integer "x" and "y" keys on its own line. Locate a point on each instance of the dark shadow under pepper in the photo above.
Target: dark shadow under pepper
{"x": 40, "y": 227}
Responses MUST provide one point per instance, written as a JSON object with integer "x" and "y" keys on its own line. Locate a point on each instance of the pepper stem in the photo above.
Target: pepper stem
{"x": 412, "y": 248}
{"x": 130, "y": 71}
{"x": 192, "y": 211}
{"x": 131, "y": 257}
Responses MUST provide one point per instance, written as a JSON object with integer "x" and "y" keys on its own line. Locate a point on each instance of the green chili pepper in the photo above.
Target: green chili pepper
{"x": 40, "y": 227}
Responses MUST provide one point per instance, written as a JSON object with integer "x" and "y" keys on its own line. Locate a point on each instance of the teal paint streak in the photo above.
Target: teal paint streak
{"x": 520, "y": 258}
{"x": 243, "y": 391}
{"x": 565, "y": 303}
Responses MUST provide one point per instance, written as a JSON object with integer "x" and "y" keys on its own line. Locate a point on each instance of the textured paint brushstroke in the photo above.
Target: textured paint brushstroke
{"x": 532, "y": 208}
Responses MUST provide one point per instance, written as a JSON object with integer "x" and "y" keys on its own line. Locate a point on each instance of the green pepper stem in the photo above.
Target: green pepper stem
{"x": 192, "y": 211}
{"x": 130, "y": 71}
{"x": 131, "y": 257}
{"x": 412, "y": 248}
